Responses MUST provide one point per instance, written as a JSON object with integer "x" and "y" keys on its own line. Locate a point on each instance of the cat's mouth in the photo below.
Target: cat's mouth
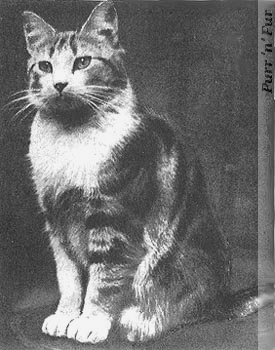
{"x": 64, "y": 102}
{"x": 68, "y": 110}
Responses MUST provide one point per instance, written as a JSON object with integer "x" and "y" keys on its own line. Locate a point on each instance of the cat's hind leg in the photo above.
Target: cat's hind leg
{"x": 165, "y": 300}
{"x": 140, "y": 323}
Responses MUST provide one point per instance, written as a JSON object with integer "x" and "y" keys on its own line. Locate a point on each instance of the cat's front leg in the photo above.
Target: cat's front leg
{"x": 95, "y": 322}
{"x": 71, "y": 293}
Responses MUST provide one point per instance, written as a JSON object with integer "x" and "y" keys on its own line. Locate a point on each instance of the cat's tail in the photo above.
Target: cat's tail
{"x": 248, "y": 301}
{"x": 244, "y": 303}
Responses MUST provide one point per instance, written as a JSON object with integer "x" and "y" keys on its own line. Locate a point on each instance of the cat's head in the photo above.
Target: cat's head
{"x": 72, "y": 70}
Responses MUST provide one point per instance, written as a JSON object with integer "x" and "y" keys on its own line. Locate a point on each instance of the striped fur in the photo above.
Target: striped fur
{"x": 125, "y": 202}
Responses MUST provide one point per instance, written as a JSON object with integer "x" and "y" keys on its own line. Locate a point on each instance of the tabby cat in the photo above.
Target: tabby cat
{"x": 133, "y": 237}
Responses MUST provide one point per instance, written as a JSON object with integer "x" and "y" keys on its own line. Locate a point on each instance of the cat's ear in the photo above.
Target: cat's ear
{"x": 103, "y": 21}
{"x": 37, "y": 31}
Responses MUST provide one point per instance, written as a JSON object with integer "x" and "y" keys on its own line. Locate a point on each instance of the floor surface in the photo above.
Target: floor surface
{"x": 227, "y": 335}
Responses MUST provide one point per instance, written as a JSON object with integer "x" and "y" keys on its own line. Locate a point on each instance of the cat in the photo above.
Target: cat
{"x": 125, "y": 202}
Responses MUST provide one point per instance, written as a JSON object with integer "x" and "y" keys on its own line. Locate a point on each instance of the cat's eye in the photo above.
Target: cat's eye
{"x": 82, "y": 62}
{"x": 45, "y": 66}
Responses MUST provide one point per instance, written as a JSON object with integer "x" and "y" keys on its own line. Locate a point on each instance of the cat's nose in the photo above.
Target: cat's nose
{"x": 60, "y": 86}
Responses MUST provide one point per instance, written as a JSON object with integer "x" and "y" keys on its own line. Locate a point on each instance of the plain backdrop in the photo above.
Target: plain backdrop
{"x": 194, "y": 61}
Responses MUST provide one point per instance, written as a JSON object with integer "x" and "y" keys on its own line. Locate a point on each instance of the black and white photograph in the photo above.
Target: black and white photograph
{"x": 136, "y": 175}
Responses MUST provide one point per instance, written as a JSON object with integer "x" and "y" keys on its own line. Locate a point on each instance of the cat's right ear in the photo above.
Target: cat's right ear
{"x": 37, "y": 31}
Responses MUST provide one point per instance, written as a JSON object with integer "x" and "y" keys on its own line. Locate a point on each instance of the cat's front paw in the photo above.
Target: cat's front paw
{"x": 56, "y": 325}
{"x": 90, "y": 329}
{"x": 137, "y": 326}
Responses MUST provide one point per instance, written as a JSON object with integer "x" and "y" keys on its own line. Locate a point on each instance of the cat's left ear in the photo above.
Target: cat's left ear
{"x": 103, "y": 21}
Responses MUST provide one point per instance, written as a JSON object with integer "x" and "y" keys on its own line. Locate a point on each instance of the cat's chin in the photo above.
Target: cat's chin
{"x": 68, "y": 112}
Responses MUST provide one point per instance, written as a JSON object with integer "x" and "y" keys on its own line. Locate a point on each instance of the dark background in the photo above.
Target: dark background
{"x": 196, "y": 62}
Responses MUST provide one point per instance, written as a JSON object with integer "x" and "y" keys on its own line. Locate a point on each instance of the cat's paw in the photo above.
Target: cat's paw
{"x": 56, "y": 325}
{"x": 137, "y": 326}
{"x": 90, "y": 329}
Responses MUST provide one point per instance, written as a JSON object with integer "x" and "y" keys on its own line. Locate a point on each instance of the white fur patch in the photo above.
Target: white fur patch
{"x": 67, "y": 159}
{"x": 55, "y": 325}
{"x": 92, "y": 329}
{"x": 139, "y": 327}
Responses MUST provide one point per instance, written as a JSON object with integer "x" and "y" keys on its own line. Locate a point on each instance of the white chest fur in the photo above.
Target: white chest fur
{"x": 62, "y": 159}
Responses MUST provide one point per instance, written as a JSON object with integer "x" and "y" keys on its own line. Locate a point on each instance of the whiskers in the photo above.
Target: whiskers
{"x": 99, "y": 98}
{"x": 23, "y": 104}
{"x": 20, "y": 105}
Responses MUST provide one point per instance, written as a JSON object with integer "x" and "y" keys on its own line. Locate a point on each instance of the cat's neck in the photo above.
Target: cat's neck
{"x": 122, "y": 114}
